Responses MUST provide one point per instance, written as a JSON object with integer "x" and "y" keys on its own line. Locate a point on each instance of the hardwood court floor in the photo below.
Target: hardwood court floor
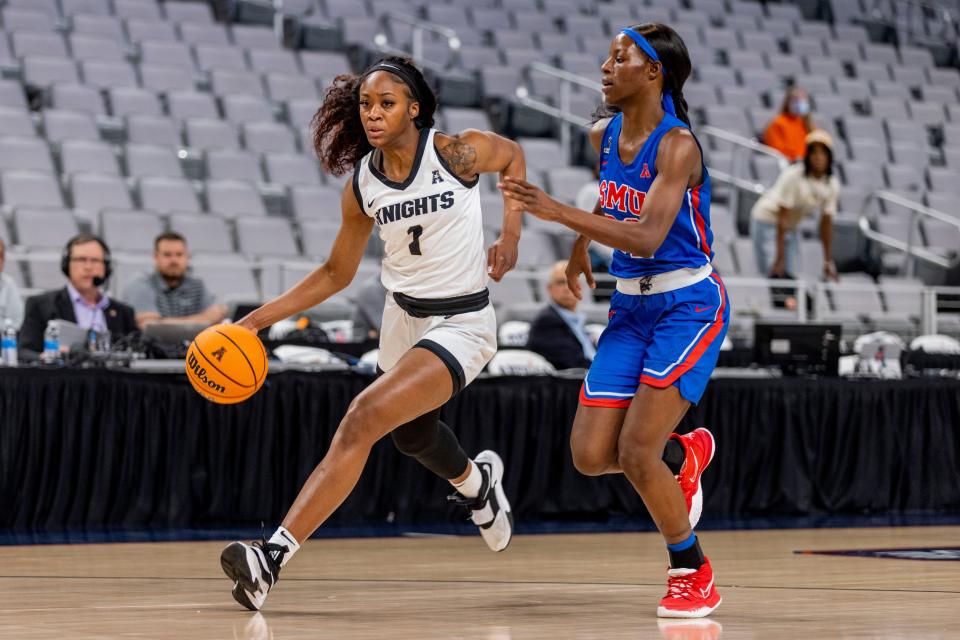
{"x": 559, "y": 586}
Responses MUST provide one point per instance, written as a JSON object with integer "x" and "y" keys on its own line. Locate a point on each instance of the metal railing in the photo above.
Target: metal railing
{"x": 736, "y": 177}
{"x": 418, "y": 29}
{"x": 562, "y": 111}
{"x": 743, "y": 148}
{"x": 908, "y": 246}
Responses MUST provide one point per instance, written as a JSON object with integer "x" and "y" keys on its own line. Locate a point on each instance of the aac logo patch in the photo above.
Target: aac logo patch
{"x": 219, "y": 353}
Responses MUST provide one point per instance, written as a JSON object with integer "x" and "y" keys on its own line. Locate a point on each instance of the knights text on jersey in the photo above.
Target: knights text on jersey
{"x": 430, "y": 224}
{"x": 622, "y": 191}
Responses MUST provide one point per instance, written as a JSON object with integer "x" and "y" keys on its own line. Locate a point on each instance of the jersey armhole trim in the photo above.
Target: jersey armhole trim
{"x": 356, "y": 187}
{"x": 469, "y": 184}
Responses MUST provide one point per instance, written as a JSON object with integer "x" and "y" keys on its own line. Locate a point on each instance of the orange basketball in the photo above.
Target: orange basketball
{"x": 226, "y": 363}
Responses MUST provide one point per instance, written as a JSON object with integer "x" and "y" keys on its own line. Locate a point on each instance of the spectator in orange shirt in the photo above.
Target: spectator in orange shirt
{"x": 788, "y": 131}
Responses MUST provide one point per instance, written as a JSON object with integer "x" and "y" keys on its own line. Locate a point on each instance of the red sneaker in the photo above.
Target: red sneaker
{"x": 699, "y": 448}
{"x": 690, "y": 594}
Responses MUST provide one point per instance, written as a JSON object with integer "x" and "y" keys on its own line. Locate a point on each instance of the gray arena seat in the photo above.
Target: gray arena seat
{"x": 141, "y": 29}
{"x": 273, "y": 61}
{"x": 108, "y": 75}
{"x": 170, "y": 54}
{"x": 162, "y": 78}
{"x": 149, "y": 160}
{"x": 23, "y": 19}
{"x": 233, "y": 164}
{"x": 194, "y": 12}
{"x": 127, "y": 101}
{"x": 234, "y": 198}
{"x": 231, "y": 83}
{"x": 205, "y": 234}
{"x": 317, "y": 237}
{"x": 266, "y": 137}
{"x": 204, "y": 34}
{"x": 88, "y": 156}
{"x": 220, "y": 57}
{"x": 565, "y": 182}
{"x": 283, "y": 87}
{"x": 25, "y": 153}
{"x": 130, "y": 230}
{"x": 31, "y": 188}
{"x": 25, "y": 43}
{"x": 85, "y": 47}
{"x": 78, "y": 98}
{"x": 108, "y": 27}
{"x": 153, "y": 130}
{"x": 192, "y": 104}
{"x": 61, "y": 125}
{"x": 93, "y": 192}
{"x": 166, "y": 194}
{"x": 43, "y": 71}
{"x": 208, "y": 133}
{"x": 16, "y": 122}
{"x": 241, "y": 109}
{"x": 48, "y": 227}
{"x": 266, "y": 237}
{"x": 291, "y": 169}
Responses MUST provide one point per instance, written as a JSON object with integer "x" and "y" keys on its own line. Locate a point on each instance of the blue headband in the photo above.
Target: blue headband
{"x": 667, "y": 101}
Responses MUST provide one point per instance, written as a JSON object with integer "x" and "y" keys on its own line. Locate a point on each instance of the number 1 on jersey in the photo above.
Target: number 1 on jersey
{"x": 417, "y": 231}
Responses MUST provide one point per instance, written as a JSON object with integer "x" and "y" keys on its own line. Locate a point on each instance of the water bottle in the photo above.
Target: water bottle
{"x": 8, "y": 344}
{"x": 51, "y": 343}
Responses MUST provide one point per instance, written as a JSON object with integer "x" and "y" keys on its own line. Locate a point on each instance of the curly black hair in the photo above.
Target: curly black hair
{"x": 338, "y": 136}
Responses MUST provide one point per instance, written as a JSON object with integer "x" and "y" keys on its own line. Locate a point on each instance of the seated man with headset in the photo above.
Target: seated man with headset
{"x": 86, "y": 264}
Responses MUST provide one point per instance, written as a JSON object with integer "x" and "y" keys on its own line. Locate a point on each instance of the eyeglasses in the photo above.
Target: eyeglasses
{"x": 86, "y": 260}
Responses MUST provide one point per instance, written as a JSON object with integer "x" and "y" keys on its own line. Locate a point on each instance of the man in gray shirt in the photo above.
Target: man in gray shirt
{"x": 168, "y": 294}
{"x": 11, "y": 302}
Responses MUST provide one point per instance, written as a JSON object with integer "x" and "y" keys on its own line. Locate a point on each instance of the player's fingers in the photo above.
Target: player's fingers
{"x": 588, "y": 274}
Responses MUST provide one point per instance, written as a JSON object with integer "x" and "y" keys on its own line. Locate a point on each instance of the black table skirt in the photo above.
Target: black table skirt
{"x": 91, "y": 449}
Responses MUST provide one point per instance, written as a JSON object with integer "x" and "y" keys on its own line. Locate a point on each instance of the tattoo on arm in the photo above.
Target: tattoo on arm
{"x": 461, "y": 157}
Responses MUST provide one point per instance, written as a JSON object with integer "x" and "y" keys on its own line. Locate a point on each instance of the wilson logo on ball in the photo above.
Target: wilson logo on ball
{"x": 201, "y": 374}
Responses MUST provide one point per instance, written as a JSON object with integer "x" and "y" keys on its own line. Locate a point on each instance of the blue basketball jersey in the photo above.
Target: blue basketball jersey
{"x": 623, "y": 188}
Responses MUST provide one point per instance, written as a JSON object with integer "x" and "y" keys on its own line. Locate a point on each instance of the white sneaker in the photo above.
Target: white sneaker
{"x": 254, "y": 569}
{"x": 490, "y": 510}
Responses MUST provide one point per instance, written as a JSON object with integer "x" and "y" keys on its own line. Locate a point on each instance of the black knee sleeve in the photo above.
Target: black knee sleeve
{"x": 432, "y": 444}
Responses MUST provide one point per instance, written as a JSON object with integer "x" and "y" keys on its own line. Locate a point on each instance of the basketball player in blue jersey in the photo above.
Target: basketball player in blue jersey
{"x": 669, "y": 313}
{"x": 419, "y": 187}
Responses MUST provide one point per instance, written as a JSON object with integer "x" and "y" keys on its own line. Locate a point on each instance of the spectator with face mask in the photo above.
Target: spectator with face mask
{"x": 787, "y": 132}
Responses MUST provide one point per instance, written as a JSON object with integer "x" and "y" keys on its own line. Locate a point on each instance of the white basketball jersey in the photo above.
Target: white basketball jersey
{"x": 430, "y": 224}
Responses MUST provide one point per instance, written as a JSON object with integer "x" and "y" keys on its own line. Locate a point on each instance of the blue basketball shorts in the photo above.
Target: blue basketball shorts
{"x": 659, "y": 339}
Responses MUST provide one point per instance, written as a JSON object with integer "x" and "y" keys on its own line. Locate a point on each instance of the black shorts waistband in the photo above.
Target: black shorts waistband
{"x": 426, "y": 307}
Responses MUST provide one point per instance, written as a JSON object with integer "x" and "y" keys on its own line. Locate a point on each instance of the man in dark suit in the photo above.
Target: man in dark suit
{"x": 558, "y": 333}
{"x": 86, "y": 264}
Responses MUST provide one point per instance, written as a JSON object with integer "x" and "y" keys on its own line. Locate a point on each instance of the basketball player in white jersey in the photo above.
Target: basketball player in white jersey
{"x": 419, "y": 188}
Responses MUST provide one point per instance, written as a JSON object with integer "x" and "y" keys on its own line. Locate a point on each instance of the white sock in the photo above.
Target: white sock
{"x": 284, "y": 538}
{"x": 470, "y": 487}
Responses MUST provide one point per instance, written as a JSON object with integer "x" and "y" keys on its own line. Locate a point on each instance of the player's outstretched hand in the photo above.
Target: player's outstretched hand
{"x": 501, "y": 257}
{"x": 578, "y": 263}
{"x": 532, "y": 197}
